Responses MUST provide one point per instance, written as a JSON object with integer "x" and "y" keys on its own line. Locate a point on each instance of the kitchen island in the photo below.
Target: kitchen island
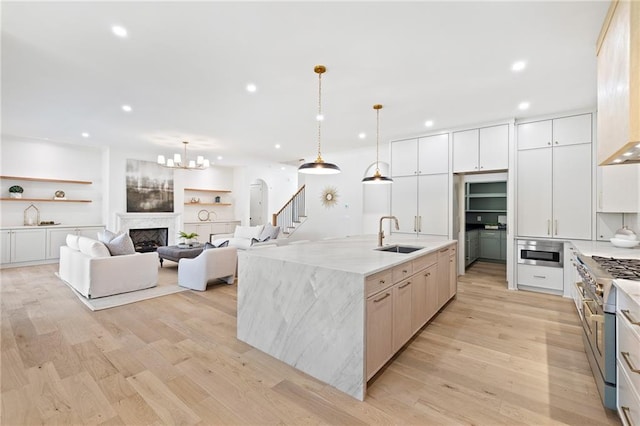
{"x": 339, "y": 309}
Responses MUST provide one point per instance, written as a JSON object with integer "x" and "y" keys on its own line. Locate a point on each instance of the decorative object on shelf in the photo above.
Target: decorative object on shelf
{"x": 319, "y": 167}
{"x": 205, "y": 216}
{"x": 217, "y": 199}
{"x": 377, "y": 177}
{"x": 187, "y": 237}
{"x": 31, "y": 216}
{"x": 149, "y": 187}
{"x": 47, "y": 222}
{"x": 200, "y": 163}
{"x": 329, "y": 197}
{"x": 59, "y": 195}
{"x": 16, "y": 191}
{"x": 195, "y": 200}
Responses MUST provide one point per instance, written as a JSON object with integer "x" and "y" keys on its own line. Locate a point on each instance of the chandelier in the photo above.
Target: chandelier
{"x": 319, "y": 167}
{"x": 377, "y": 178}
{"x": 177, "y": 162}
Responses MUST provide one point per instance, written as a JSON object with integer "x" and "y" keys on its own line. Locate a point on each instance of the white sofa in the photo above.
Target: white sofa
{"x": 246, "y": 237}
{"x": 87, "y": 265}
{"x": 211, "y": 264}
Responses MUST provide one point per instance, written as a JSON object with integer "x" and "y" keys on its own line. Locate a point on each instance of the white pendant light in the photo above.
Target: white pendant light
{"x": 377, "y": 177}
{"x": 319, "y": 167}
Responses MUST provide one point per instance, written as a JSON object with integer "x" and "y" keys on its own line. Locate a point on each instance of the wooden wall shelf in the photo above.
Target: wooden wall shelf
{"x": 33, "y": 179}
{"x": 45, "y": 200}
{"x": 207, "y": 190}
{"x": 207, "y": 204}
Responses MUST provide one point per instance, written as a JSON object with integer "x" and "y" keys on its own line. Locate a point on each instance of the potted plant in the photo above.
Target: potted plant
{"x": 187, "y": 237}
{"x": 16, "y": 191}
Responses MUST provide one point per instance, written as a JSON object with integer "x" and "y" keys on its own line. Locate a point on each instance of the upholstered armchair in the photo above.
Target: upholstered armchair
{"x": 211, "y": 264}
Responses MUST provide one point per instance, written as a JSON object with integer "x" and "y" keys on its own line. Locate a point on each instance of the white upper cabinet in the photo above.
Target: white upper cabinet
{"x": 433, "y": 154}
{"x": 403, "y": 157}
{"x": 559, "y": 131}
{"x": 619, "y": 188}
{"x": 482, "y": 149}
{"x": 425, "y": 155}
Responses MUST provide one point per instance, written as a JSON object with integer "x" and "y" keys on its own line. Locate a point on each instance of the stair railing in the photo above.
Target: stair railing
{"x": 289, "y": 215}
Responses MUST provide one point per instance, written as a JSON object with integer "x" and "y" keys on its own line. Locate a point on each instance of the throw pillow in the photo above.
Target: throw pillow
{"x": 269, "y": 231}
{"x": 72, "y": 241}
{"x": 255, "y": 240}
{"x": 213, "y": 245}
{"x": 92, "y": 248}
{"x": 106, "y": 235}
{"x": 121, "y": 245}
{"x": 248, "y": 232}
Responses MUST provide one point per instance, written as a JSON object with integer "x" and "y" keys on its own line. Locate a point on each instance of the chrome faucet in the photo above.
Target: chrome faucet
{"x": 381, "y": 232}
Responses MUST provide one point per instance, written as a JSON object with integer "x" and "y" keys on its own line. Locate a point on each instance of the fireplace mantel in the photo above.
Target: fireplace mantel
{"x": 172, "y": 221}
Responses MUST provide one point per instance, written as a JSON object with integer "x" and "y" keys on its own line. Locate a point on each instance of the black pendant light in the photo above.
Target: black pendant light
{"x": 377, "y": 178}
{"x": 319, "y": 167}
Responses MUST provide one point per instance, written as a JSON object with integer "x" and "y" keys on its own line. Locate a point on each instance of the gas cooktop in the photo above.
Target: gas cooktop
{"x": 628, "y": 269}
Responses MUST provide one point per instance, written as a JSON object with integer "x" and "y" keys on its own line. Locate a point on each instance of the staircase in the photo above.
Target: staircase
{"x": 292, "y": 214}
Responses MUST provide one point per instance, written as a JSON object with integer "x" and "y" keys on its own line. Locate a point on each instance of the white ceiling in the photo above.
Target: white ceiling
{"x": 184, "y": 67}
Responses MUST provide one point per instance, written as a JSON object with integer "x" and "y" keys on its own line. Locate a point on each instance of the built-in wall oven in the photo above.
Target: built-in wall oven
{"x": 541, "y": 253}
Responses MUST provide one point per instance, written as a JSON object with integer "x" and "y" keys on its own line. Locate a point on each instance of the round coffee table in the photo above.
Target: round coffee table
{"x": 175, "y": 253}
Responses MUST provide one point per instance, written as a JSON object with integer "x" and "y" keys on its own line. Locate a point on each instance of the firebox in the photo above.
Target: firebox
{"x": 149, "y": 239}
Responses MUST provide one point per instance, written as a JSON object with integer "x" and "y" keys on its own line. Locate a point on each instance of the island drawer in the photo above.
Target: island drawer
{"x": 401, "y": 272}
{"x": 378, "y": 282}
{"x": 424, "y": 262}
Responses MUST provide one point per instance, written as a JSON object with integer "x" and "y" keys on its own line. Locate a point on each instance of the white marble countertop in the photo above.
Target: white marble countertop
{"x": 630, "y": 288}
{"x": 605, "y": 249}
{"x": 354, "y": 254}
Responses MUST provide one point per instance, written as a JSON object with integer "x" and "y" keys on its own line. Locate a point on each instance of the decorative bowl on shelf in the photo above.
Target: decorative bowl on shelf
{"x": 620, "y": 242}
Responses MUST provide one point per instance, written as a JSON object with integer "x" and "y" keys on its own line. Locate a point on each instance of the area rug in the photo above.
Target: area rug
{"x": 167, "y": 284}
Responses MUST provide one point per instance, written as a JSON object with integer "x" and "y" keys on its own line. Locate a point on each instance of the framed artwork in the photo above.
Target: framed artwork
{"x": 149, "y": 187}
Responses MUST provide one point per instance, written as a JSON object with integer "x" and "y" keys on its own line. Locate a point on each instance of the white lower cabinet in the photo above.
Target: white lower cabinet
{"x": 57, "y": 237}
{"x": 540, "y": 277}
{"x": 628, "y": 358}
{"x": 206, "y": 229}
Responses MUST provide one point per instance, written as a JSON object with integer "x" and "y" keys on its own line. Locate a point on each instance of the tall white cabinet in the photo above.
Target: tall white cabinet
{"x": 421, "y": 188}
{"x": 554, "y": 178}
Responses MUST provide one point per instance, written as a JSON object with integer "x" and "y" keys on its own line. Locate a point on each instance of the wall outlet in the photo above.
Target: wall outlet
{"x": 479, "y": 218}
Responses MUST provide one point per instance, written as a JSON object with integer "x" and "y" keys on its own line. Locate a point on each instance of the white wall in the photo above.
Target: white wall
{"x": 281, "y": 180}
{"x": 43, "y": 159}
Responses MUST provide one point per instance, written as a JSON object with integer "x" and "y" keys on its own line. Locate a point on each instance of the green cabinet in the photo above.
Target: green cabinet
{"x": 503, "y": 245}
{"x": 472, "y": 247}
{"x": 486, "y": 197}
{"x": 490, "y": 244}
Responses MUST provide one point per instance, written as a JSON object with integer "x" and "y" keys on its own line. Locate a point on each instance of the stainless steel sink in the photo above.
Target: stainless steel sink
{"x": 399, "y": 249}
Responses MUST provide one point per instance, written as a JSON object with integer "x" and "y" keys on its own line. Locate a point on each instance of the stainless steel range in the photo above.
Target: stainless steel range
{"x": 597, "y": 312}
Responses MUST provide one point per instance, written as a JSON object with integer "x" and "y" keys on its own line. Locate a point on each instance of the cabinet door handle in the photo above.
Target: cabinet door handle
{"x": 548, "y": 226}
{"x": 404, "y": 271}
{"x": 382, "y": 281}
{"x": 428, "y": 274}
{"x": 539, "y": 276}
{"x": 415, "y": 224}
{"x": 407, "y": 284}
{"x": 627, "y": 315}
{"x": 382, "y": 298}
{"x": 556, "y": 142}
{"x": 625, "y": 412}
{"x": 556, "y": 227}
{"x": 625, "y": 355}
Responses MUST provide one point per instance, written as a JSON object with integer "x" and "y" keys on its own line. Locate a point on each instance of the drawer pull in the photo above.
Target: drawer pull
{"x": 403, "y": 286}
{"x": 382, "y": 281}
{"x": 382, "y": 298}
{"x": 443, "y": 250}
{"x": 627, "y": 315}
{"x": 625, "y": 413}
{"x": 625, "y": 355}
{"x": 539, "y": 276}
{"x": 428, "y": 274}
{"x": 404, "y": 271}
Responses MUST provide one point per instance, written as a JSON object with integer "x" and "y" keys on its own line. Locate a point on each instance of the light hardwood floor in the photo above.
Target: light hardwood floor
{"x": 492, "y": 356}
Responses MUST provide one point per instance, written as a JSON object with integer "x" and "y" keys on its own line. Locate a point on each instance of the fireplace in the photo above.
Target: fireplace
{"x": 149, "y": 239}
{"x": 172, "y": 221}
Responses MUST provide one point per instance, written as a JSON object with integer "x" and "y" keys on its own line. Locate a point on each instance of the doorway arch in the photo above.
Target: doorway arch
{"x": 258, "y": 203}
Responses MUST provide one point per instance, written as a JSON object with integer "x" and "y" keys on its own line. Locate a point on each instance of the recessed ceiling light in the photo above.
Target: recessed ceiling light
{"x": 362, "y": 135}
{"x": 277, "y": 146}
{"x": 523, "y": 105}
{"x": 126, "y": 108}
{"x": 119, "y": 31}
{"x": 251, "y": 88}
{"x": 85, "y": 135}
{"x": 219, "y": 157}
{"x": 428, "y": 123}
{"x": 518, "y": 66}
{"x": 319, "y": 117}
{"x": 282, "y": 168}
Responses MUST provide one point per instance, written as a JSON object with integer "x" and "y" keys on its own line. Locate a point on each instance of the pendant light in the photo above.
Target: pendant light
{"x": 377, "y": 178}
{"x": 319, "y": 167}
